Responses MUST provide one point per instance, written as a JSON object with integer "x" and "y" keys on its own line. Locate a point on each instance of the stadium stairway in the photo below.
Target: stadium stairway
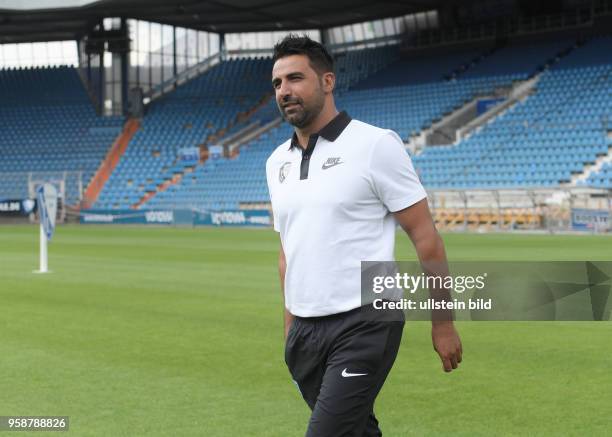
{"x": 540, "y": 142}
{"x": 397, "y": 97}
{"x": 465, "y": 119}
{"x": 196, "y": 113}
{"x": 230, "y": 137}
{"x": 225, "y": 183}
{"x": 234, "y": 144}
{"x": 598, "y": 174}
{"x": 110, "y": 162}
{"x": 413, "y": 93}
{"x": 468, "y": 119}
{"x": 353, "y": 66}
{"x": 519, "y": 91}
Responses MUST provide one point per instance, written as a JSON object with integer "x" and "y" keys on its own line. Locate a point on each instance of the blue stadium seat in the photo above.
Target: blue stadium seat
{"x": 48, "y": 126}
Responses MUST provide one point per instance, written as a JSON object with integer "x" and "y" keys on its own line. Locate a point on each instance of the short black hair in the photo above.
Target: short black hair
{"x": 293, "y": 44}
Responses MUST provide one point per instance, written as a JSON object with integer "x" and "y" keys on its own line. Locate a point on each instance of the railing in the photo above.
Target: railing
{"x": 334, "y": 48}
{"x": 545, "y": 209}
{"x": 366, "y": 43}
{"x": 231, "y": 54}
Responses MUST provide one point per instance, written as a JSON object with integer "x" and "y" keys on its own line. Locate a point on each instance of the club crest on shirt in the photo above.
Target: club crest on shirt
{"x": 283, "y": 172}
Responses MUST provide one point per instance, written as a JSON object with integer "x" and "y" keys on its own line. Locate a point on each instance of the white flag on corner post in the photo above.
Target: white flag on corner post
{"x": 46, "y": 196}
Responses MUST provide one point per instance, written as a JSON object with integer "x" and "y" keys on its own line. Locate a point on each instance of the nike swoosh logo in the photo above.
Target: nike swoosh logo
{"x": 346, "y": 374}
{"x": 325, "y": 166}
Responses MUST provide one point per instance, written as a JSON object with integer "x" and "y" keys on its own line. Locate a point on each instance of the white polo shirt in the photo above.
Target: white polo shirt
{"x": 332, "y": 205}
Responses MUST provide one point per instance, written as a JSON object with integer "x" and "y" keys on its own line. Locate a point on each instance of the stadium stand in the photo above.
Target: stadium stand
{"x": 190, "y": 116}
{"x": 421, "y": 70}
{"x": 48, "y": 126}
{"x": 226, "y": 183}
{"x": 522, "y": 60}
{"x": 355, "y": 66}
{"x": 601, "y": 178}
{"x": 218, "y": 183}
{"x": 540, "y": 142}
{"x": 223, "y": 183}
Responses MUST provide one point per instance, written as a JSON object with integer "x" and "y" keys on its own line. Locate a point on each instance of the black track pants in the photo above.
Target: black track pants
{"x": 340, "y": 363}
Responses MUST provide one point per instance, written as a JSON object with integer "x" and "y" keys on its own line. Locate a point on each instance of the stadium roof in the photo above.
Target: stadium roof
{"x": 25, "y": 21}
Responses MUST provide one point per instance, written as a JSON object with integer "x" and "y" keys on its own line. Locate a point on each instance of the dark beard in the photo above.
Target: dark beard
{"x": 308, "y": 114}
{"x": 302, "y": 120}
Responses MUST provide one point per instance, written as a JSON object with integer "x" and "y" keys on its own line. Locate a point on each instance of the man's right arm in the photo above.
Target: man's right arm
{"x": 282, "y": 268}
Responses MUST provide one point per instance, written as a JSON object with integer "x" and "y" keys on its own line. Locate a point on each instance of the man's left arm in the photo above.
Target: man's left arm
{"x": 417, "y": 222}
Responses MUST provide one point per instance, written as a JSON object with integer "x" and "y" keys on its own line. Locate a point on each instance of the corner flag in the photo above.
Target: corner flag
{"x": 46, "y": 196}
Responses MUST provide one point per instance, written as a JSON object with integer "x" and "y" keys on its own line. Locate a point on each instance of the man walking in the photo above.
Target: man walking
{"x": 338, "y": 187}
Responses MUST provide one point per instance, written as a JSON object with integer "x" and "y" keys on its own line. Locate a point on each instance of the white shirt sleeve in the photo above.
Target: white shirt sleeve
{"x": 270, "y": 180}
{"x": 393, "y": 176}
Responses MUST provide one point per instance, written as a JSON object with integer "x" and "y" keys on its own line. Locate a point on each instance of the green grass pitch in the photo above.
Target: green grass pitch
{"x": 177, "y": 332}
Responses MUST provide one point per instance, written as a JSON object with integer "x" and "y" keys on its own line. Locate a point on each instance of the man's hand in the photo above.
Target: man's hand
{"x": 417, "y": 222}
{"x": 447, "y": 344}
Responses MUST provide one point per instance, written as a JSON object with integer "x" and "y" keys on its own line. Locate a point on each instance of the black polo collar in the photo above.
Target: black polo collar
{"x": 331, "y": 131}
